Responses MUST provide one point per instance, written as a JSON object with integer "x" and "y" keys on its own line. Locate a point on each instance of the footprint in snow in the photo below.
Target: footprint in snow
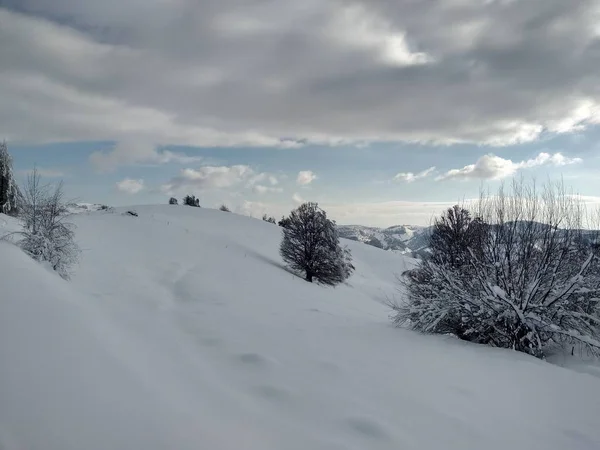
{"x": 272, "y": 393}
{"x": 252, "y": 359}
{"x": 367, "y": 428}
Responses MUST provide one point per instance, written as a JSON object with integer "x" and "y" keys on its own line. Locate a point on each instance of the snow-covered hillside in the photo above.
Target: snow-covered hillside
{"x": 181, "y": 330}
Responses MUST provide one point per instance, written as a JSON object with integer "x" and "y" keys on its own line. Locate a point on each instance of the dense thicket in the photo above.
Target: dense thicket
{"x": 523, "y": 274}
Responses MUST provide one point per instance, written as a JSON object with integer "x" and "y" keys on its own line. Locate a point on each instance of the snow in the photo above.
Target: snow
{"x": 8, "y": 224}
{"x": 181, "y": 330}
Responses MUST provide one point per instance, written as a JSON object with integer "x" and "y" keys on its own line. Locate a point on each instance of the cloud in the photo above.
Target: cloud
{"x": 207, "y": 73}
{"x": 134, "y": 153}
{"x": 385, "y": 214}
{"x": 130, "y": 186}
{"x": 492, "y": 167}
{"x": 221, "y": 177}
{"x": 409, "y": 177}
{"x": 46, "y": 172}
{"x": 296, "y": 198}
{"x": 379, "y": 214}
{"x": 255, "y": 209}
{"x": 261, "y": 189}
{"x": 305, "y": 177}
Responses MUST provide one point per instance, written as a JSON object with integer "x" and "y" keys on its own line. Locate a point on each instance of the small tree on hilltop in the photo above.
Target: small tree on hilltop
{"x": 531, "y": 278}
{"x": 191, "y": 200}
{"x": 173, "y": 201}
{"x": 224, "y": 208}
{"x": 269, "y": 219}
{"x": 311, "y": 245}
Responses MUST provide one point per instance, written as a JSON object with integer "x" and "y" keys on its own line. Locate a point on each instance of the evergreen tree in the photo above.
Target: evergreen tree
{"x": 284, "y": 222}
{"x": 269, "y": 219}
{"x": 191, "y": 200}
{"x": 9, "y": 192}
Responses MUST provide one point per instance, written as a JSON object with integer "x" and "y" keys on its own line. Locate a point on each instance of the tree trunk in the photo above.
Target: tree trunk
{"x": 309, "y": 277}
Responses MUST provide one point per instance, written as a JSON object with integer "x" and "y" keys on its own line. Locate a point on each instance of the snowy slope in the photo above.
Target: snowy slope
{"x": 8, "y": 225}
{"x": 181, "y": 330}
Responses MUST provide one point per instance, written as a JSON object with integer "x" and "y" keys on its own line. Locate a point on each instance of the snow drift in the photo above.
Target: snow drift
{"x": 181, "y": 329}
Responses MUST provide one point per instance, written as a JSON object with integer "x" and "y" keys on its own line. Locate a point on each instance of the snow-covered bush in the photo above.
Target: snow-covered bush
{"x": 191, "y": 200}
{"x": 173, "y": 201}
{"x": 47, "y": 235}
{"x": 531, "y": 277}
{"x": 269, "y": 219}
{"x": 311, "y": 245}
{"x": 224, "y": 208}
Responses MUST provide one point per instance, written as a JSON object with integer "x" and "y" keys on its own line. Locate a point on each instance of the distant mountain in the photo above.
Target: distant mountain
{"x": 406, "y": 239}
{"x": 413, "y": 240}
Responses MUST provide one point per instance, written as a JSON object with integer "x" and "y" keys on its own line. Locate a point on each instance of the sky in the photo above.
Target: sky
{"x": 384, "y": 112}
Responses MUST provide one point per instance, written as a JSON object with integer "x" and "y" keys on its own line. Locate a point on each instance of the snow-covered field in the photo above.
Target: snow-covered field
{"x": 181, "y": 330}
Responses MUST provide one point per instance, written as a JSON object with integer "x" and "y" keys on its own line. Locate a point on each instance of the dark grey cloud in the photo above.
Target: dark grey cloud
{"x": 237, "y": 72}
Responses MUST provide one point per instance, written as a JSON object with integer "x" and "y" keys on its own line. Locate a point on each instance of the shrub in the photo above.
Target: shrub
{"x": 528, "y": 279}
{"x": 269, "y": 219}
{"x": 191, "y": 200}
{"x": 47, "y": 235}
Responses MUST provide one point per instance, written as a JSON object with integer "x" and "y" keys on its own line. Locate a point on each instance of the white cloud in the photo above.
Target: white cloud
{"x": 385, "y": 214}
{"x": 130, "y": 186}
{"x": 296, "y": 198}
{"x": 409, "y": 177}
{"x": 222, "y": 177}
{"x": 379, "y": 214}
{"x": 305, "y": 177}
{"x": 46, "y": 172}
{"x": 261, "y": 189}
{"x": 255, "y": 209}
{"x": 360, "y": 27}
{"x": 136, "y": 152}
{"x": 263, "y": 177}
{"x": 359, "y": 71}
{"x": 492, "y": 167}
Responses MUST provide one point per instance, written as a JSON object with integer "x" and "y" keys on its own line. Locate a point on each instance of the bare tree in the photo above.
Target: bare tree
{"x": 47, "y": 235}
{"x": 311, "y": 244}
{"x": 531, "y": 280}
{"x": 454, "y": 235}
